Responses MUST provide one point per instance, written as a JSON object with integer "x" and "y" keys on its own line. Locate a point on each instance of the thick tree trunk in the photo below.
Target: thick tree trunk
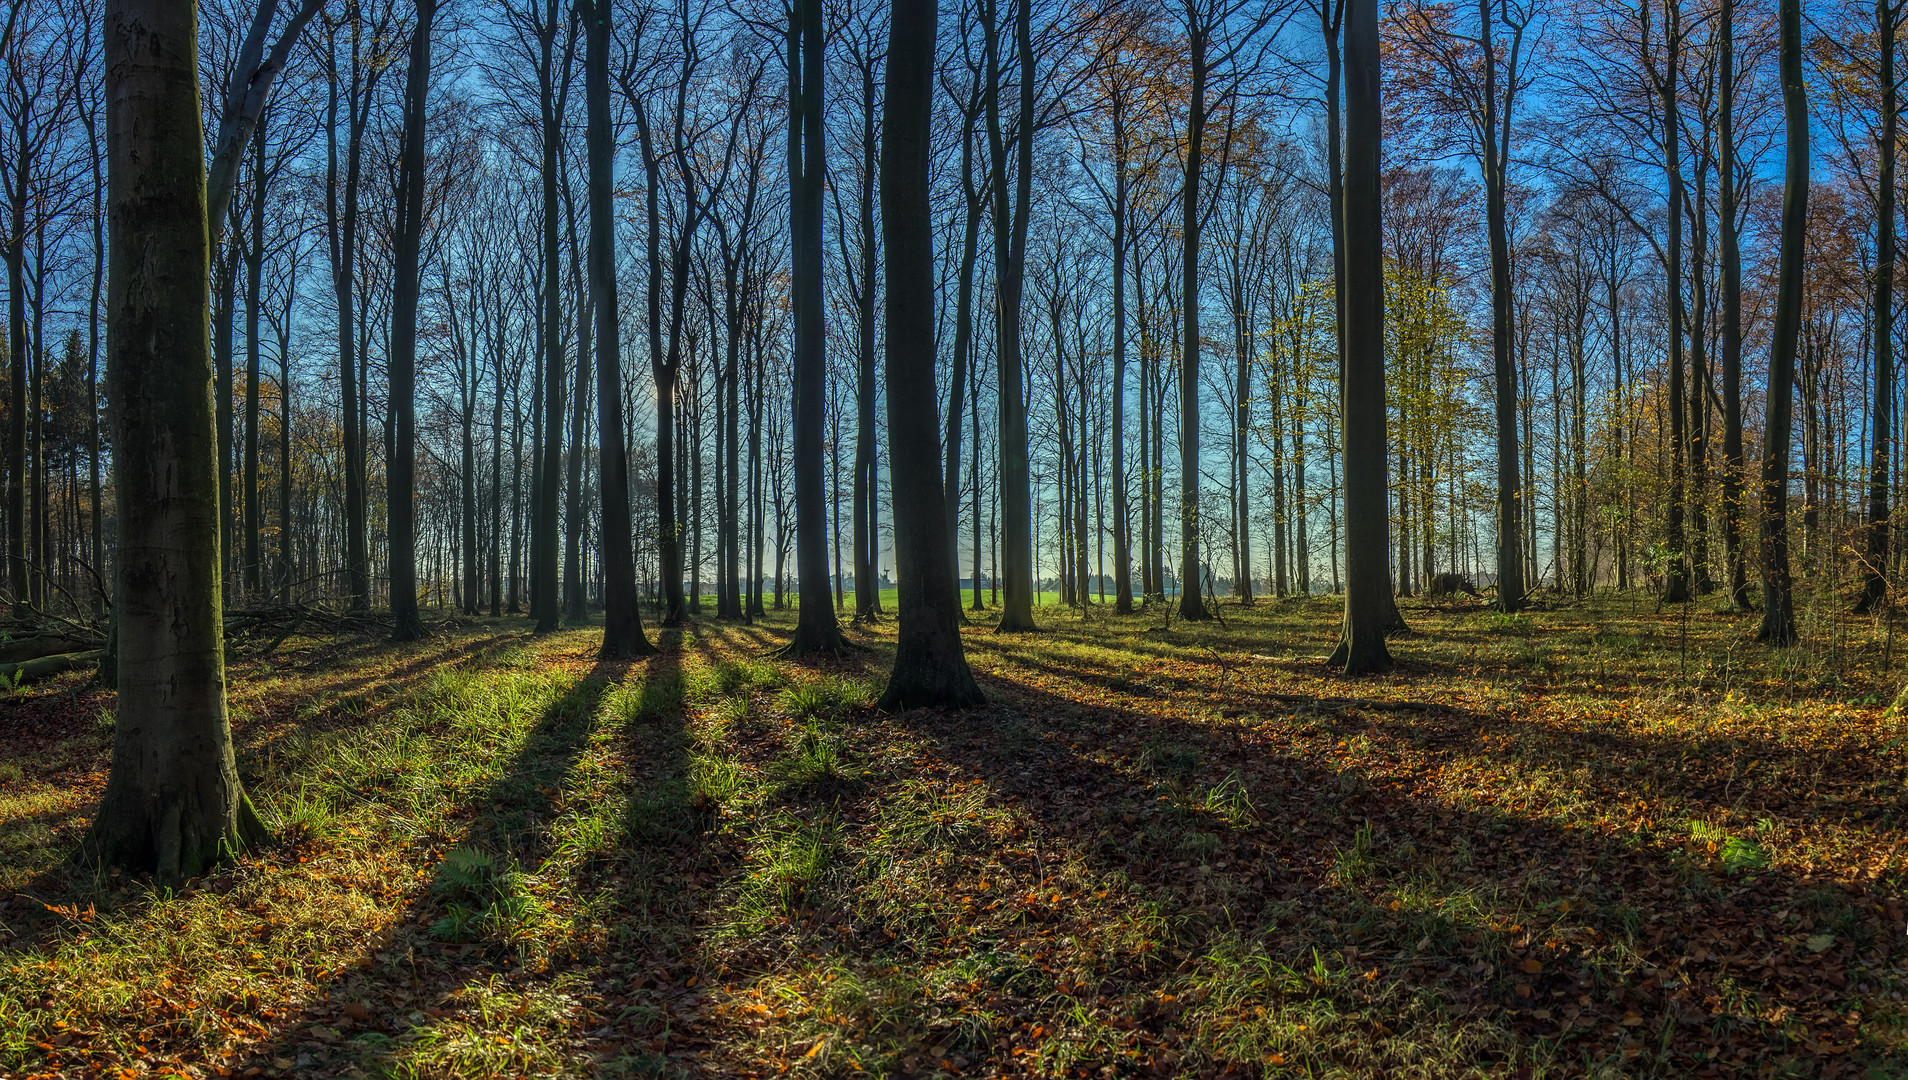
{"x": 930, "y": 667}
{"x": 1778, "y": 612}
{"x": 402, "y": 468}
{"x": 173, "y": 802}
{"x": 622, "y": 623}
{"x": 1510, "y": 492}
{"x": 1369, "y": 610}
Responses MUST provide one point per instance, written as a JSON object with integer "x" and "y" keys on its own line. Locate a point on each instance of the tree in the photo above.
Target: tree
{"x": 553, "y": 91}
{"x": 1778, "y": 612}
{"x": 1727, "y": 201}
{"x": 622, "y": 622}
{"x": 173, "y": 802}
{"x": 1477, "y": 80}
{"x": 1010, "y": 274}
{"x": 816, "y": 629}
{"x": 1875, "y": 575}
{"x": 343, "y": 198}
{"x": 246, "y": 95}
{"x": 402, "y": 468}
{"x": 1368, "y": 606}
{"x": 1213, "y": 42}
{"x": 930, "y": 667}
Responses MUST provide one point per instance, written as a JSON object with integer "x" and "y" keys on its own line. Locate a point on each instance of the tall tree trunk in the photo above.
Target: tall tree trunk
{"x": 1010, "y": 261}
{"x": 173, "y": 802}
{"x": 287, "y": 575}
{"x": 1510, "y": 489}
{"x": 1778, "y": 613}
{"x": 253, "y": 509}
{"x": 93, "y": 443}
{"x": 1732, "y": 473}
{"x": 576, "y": 502}
{"x": 663, "y": 368}
{"x": 343, "y": 238}
{"x": 224, "y": 304}
{"x": 961, "y": 358}
{"x": 816, "y": 629}
{"x": 1699, "y": 383}
{"x": 402, "y": 469}
{"x": 1369, "y": 611}
{"x": 1191, "y": 602}
{"x": 930, "y": 667}
{"x": 545, "y": 603}
{"x": 1675, "y": 572}
{"x": 867, "y": 535}
{"x": 1881, "y": 421}
{"x": 18, "y": 352}
{"x": 1122, "y": 514}
{"x": 622, "y": 621}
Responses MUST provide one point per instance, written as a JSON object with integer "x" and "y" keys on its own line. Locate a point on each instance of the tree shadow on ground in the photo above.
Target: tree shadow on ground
{"x": 612, "y": 987}
{"x": 458, "y": 928}
{"x": 1576, "y": 943}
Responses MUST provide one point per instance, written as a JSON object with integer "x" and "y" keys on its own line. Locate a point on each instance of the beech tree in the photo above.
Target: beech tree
{"x": 173, "y": 803}
{"x": 1368, "y": 607}
{"x": 1778, "y": 611}
{"x": 930, "y": 667}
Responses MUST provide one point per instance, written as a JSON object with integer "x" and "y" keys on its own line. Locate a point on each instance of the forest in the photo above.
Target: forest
{"x": 602, "y": 538}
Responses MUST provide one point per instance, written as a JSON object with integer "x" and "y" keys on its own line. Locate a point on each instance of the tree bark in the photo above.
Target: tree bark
{"x": 1369, "y": 610}
{"x": 1010, "y": 261}
{"x": 816, "y": 628}
{"x": 1496, "y": 137}
{"x": 622, "y": 622}
{"x": 930, "y": 666}
{"x": 253, "y": 510}
{"x": 1675, "y": 570}
{"x": 1881, "y": 422}
{"x": 173, "y": 802}
{"x": 1778, "y": 612}
{"x": 401, "y": 471}
{"x": 545, "y": 602}
{"x": 1191, "y": 602}
{"x": 1732, "y": 477}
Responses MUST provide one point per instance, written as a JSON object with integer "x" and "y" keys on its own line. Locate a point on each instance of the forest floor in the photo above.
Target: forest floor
{"x": 1593, "y": 839}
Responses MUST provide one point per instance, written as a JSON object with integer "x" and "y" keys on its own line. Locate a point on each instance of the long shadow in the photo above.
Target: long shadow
{"x": 662, "y": 873}
{"x": 1711, "y": 771}
{"x": 1091, "y": 778}
{"x": 445, "y": 938}
{"x": 394, "y": 682}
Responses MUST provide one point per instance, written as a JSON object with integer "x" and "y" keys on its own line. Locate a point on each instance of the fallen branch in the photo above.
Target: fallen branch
{"x": 40, "y": 667}
{"x": 21, "y": 650}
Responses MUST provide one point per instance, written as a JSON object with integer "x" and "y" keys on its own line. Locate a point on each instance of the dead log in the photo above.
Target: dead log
{"x": 40, "y": 667}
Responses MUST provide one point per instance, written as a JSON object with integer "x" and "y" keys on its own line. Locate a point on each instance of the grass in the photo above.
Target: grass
{"x": 1571, "y": 844}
